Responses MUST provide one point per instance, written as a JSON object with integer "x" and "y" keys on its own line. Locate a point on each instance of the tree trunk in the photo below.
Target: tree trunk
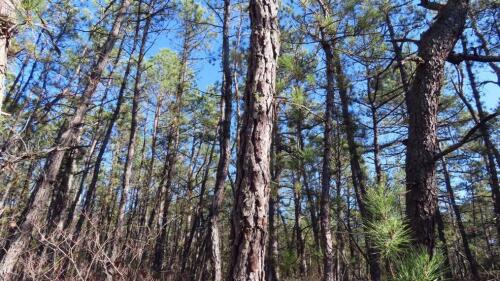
{"x": 198, "y": 216}
{"x": 87, "y": 203}
{"x": 299, "y": 239}
{"x": 29, "y": 226}
{"x": 326, "y": 235}
{"x": 250, "y": 211}
{"x": 272, "y": 262}
{"x": 422, "y": 103}
{"x": 461, "y": 228}
{"x": 444, "y": 247}
{"x": 171, "y": 159}
{"x": 212, "y": 239}
{"x": 491, "y": 152}
{"x": 484, "y": 45}
{"x": 121, "y": 225}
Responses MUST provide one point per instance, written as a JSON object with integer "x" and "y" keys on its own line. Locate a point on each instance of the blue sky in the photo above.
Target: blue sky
{"x": 208, "y": 73}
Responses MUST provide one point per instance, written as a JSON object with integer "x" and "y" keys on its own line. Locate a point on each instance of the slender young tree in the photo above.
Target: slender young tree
{"x": 226, "y": 105}
{"x": 127, "y": 176}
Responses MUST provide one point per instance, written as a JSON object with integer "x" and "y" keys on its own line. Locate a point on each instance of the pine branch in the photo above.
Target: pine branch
{"x": 458, "y": 58}
{"x": 467, "y": 138}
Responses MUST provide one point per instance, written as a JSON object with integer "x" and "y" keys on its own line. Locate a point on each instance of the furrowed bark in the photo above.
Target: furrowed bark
{"x": 250, "y": 211}
{"x": 422, "y": 103}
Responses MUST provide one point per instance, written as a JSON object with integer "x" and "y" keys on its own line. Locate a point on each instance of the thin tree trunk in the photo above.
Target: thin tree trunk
{"x": 87, "y": 203}
{"x": 326, "y": 235}
{"x": 299, "y": 240}
{"x": 444, "y": 246}
{"x": 171, "y": 160}
{"x": 491, "y": 152}
{"x": 121, "y": 225}
{"x": 213, "y": 235}
{"x": 461, "y": 228}
{"x": 196, "y": 221}
{"x": 272, "y": 263}
{"x": 484, "y": 45}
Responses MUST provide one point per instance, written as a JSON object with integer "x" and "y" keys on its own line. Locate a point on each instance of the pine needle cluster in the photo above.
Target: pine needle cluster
{"x": 391, "y": 237}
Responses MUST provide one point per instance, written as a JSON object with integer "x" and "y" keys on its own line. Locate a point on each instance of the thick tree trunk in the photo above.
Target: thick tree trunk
{"x": 213, "y": 237}
{"x": 422, "y": 103}
{"x": 29, "y": 226}
{"x": 250, "y": 212}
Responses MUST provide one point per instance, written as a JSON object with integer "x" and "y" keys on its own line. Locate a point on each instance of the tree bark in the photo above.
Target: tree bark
{"x": 422, "y": 103}
{"x": 250, "y": 211}
{"x": 326, "y": 235}
{"x": 213, "y": 236}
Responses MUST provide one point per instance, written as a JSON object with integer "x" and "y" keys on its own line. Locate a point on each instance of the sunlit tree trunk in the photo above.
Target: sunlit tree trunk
{"x": 252, "y": 187}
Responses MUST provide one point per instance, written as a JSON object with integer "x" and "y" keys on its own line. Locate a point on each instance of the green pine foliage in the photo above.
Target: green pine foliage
{"x": 391, "y": 236}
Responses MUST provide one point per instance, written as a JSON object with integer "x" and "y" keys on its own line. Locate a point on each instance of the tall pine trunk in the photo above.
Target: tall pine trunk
{"x": 127, "y": 176}
{"x": 252, "y": 187}
{"x": 422, "y": 103}
{"x": 213, "y": 235}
